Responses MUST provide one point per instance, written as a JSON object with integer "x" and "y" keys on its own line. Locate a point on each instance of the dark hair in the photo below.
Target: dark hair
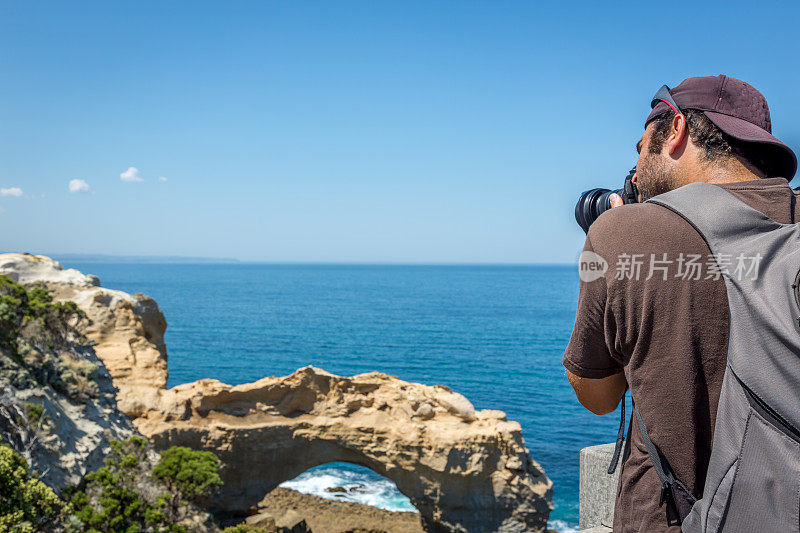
{"x": 715, "y": 143}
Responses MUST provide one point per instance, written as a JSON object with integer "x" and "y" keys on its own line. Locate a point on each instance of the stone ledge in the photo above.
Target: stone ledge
{"x": 597, "y": 489}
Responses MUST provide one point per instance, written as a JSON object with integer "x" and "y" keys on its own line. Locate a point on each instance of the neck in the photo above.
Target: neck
{"x": 730, "y": 171}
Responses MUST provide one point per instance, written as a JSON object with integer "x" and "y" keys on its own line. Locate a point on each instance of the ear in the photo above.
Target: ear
{"x": 679, "y": 135}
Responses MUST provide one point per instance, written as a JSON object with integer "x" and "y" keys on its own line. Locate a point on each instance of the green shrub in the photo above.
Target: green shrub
{"x": 35, "y": 413}
{"x": 130, "y": 494}
{"x": 26, "y": 504}
{"x": 19, "y": 306}
{"x": 112, "y": 500}
{"x": 189, "y": 473}
{"x": 76, "y": 379}
{"x": 39, "y": 336}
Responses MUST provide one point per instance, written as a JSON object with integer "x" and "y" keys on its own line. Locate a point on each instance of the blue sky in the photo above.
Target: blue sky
{"x": 348, "y": 131}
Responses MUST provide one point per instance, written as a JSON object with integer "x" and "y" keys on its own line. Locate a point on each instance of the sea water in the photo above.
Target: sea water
{"x": 495, "y": 334}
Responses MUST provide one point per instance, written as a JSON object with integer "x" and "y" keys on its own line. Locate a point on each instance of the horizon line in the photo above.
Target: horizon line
{"x": 180, "y": 259}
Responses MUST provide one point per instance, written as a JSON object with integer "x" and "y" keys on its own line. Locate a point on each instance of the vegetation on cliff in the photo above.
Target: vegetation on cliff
{"x": 26, "y": 504}
{"x": 188, "y": 475}
{"x": 44, "y": 357}
{"x": 136, "y": 491}
{"x": 40, "y": 342}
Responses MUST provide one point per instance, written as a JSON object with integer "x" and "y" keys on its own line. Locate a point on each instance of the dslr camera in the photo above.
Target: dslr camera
{"x": 595, "y": 202}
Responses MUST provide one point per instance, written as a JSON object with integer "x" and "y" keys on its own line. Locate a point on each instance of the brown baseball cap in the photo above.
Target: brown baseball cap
{"x": 736, "y": 107}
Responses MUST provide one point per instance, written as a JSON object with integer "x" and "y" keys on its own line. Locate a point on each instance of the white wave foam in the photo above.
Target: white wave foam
{"x": 562, "y": 526}
{"x": 360, "y": 486}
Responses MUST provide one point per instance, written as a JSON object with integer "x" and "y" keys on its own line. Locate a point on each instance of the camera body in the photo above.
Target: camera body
{"x": 595, "y": 202}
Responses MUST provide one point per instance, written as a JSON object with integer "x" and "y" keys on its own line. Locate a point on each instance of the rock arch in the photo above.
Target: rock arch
{"x": 464, "y": 470}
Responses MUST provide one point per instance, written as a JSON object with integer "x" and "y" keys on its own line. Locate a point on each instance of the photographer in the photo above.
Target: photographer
{"x": 657, "y": 319}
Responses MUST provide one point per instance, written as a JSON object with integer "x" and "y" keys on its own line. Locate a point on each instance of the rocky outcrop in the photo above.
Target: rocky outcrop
{"x": 127, "y": 330}
{"x": 62, "y": 431}
{"x": 68, "y": 440}
{"x": 463, "y": 469}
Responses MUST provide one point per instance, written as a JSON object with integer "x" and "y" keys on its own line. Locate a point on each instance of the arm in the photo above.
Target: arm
{"x": 599, "y": 395}
{"x": 594, "y": 369}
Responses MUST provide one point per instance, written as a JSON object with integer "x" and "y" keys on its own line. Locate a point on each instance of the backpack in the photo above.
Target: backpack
{"x": 753, "y": 479}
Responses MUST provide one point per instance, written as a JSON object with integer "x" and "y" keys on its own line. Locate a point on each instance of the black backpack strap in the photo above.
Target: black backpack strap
{"x": 659, "y": 461}
{"x": 678, "y": 497}
{"x": 672, "y": 490}
{"x": 620, "y": 436}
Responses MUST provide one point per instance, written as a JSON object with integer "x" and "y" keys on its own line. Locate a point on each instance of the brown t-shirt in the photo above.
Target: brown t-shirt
{"x": 668, "y": 333}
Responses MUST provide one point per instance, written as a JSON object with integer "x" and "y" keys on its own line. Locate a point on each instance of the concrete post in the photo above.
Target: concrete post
{"x": 597, "y": 489}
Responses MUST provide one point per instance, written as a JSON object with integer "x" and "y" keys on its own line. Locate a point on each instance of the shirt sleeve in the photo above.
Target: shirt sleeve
{"x": 587, "y": 354}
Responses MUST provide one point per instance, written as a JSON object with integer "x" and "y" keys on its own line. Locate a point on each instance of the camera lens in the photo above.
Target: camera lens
{"x": 591, "y": 205}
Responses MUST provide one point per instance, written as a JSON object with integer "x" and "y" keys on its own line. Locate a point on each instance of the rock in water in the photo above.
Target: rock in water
{"x": 464, "y": 470}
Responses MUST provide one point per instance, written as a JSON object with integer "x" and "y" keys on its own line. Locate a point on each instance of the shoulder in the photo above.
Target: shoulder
{"x": 644, "y": 246}
{"x": 637, "y": 227}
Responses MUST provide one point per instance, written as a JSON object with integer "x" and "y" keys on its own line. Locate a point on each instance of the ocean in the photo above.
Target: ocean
{"x": 495, "y": 334}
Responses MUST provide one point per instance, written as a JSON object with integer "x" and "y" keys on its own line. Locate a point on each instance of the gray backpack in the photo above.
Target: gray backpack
{"x": 753, "y": 481}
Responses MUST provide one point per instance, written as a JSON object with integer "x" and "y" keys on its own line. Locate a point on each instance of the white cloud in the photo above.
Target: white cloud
{"x": 132, "y": 174}
{"x": 77, "y": 185}
{"x": 11, "y": 191}
{"x": 162, "y": 178}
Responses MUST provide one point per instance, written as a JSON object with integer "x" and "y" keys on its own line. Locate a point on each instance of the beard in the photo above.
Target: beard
{"x": 654, "y": 177}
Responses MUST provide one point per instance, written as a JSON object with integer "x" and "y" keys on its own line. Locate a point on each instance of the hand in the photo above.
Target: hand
{"x": 615, "y": 200}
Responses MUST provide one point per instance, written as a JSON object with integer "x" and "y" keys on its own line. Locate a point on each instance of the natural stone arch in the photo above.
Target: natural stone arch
{"x": 464, "y": 470}
{"x": 240, "y": 493}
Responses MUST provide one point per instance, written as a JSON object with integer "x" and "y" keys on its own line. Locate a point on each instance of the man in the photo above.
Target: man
{"x": 657, "y": 320}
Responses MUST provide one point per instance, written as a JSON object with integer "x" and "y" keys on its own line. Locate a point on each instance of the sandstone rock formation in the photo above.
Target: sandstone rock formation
{"x": 67, "y": 439}
{"x": 463, "y": 469}
{"x": 128, "y": 330}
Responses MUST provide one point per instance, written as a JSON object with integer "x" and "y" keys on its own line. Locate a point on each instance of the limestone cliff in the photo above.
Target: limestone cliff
{"x": 465, "y": 470}
{"x": 128, "y": 330}
{"x": 57, "y": 402}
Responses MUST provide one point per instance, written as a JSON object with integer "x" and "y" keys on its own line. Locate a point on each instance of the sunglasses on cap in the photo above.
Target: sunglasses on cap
{"x": 663, "y": 95}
